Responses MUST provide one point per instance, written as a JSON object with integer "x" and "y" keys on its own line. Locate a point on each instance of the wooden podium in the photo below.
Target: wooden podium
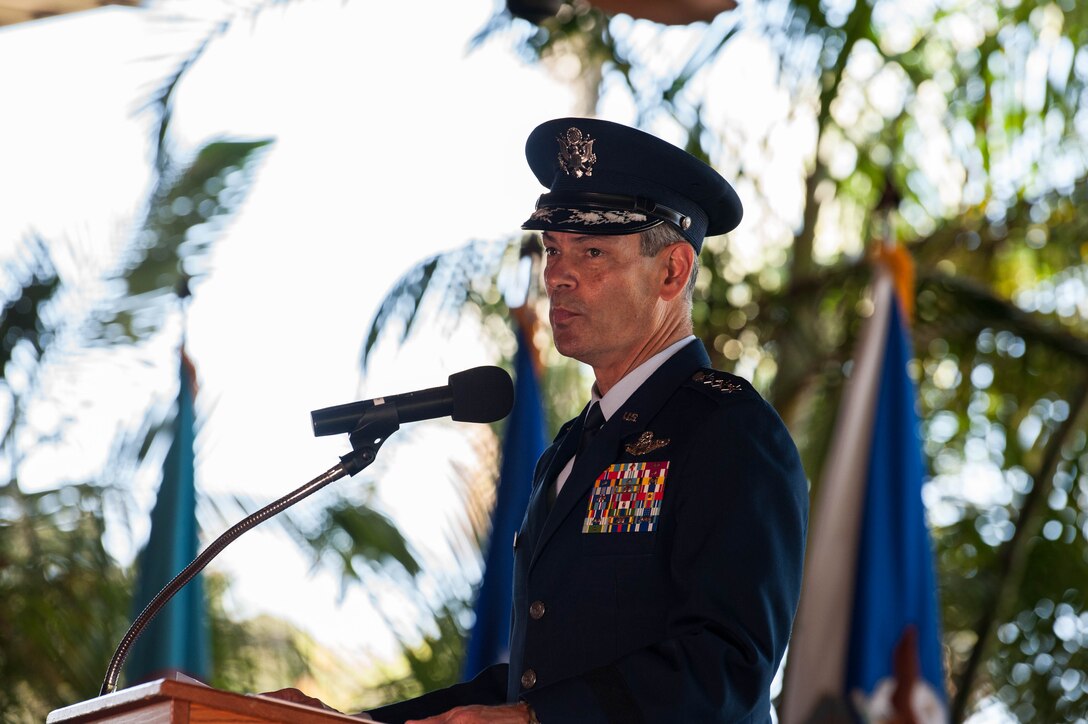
{"x": 178, "y": 702}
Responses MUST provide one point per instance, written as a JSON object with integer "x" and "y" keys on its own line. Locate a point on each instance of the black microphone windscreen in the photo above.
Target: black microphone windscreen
{"x": 481, "y": 394}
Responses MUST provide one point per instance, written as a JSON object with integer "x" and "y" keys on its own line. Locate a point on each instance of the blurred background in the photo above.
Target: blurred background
{"x": 320, "y": 201}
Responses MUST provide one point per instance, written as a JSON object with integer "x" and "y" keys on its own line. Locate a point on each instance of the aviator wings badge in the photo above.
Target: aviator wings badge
{"x": 645, "y": 444}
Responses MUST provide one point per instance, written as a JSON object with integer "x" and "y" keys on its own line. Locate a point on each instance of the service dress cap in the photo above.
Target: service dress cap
{"x": 605, "y": 178}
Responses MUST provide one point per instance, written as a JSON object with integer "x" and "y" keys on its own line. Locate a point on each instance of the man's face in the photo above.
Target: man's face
{"x": 603, "y": 294}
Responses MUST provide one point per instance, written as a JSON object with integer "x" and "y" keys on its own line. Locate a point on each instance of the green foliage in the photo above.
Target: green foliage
{"x": 435, "y": 662}
{"x": 63, "y": 600}
{"x": 360, "y": 539}
{"x": 65, "y": 603}
{"x": 253, "y": 655}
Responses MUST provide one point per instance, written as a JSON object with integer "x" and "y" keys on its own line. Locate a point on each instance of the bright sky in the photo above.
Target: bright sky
{"x": 391, "y": 143}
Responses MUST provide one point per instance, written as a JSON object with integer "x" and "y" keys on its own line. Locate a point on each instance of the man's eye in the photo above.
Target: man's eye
{"x": 550, "y": 251}
{"x": 594, "y": 252}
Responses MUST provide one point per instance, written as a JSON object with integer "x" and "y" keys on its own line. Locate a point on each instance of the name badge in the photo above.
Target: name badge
{"x": 626, "y": 498}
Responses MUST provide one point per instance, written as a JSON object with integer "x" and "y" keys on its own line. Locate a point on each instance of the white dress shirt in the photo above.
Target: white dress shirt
{"x": 621, "y": 392}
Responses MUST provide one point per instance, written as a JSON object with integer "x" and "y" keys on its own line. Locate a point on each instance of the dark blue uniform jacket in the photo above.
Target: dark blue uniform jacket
{"x": 662, "y": 583}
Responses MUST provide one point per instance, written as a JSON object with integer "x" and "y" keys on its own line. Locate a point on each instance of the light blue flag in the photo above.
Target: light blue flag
{"x": 177, "y": 639}
{"x": 523, "y": 442}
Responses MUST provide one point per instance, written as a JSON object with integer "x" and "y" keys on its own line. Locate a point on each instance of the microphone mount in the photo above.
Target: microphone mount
{"x": 373, "y": 430}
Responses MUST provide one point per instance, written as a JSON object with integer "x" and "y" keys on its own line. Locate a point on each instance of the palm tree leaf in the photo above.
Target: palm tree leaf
{"x": 450, "y": 281}
{"x": 161, "y": 101}
{"x": 187, "y": 212}
{"x": 21, "y": 314}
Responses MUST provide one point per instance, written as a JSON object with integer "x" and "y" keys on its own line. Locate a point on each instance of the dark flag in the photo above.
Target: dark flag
{"x": 177, "y": 639}
{"x": 523, "y": 442}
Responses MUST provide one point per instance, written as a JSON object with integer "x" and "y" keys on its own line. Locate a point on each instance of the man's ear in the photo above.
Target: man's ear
{"x": 679, "y": 260}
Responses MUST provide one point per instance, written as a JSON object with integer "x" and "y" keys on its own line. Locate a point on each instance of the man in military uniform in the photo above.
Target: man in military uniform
{"x": 658, "y": 566}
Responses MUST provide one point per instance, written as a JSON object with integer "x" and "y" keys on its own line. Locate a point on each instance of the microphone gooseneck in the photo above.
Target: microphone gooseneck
{"x": 109, "y": 685}
{"x": 481, "y": 394}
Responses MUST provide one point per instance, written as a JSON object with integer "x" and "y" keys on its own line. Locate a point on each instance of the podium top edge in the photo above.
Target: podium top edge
{"x": 125, "y": 701}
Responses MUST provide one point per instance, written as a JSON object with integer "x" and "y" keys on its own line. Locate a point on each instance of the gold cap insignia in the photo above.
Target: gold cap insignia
{"x": 576, "y": 156}
{"x": 646, "y": 444}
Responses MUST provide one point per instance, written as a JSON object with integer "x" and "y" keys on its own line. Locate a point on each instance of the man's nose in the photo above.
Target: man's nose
{"x": 558, "y": 274}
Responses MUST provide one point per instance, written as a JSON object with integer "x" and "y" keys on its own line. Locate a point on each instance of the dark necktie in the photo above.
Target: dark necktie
{"x": 591, "y": 425}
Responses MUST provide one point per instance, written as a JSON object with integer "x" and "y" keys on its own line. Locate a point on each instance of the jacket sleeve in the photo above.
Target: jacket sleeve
{"x": 488, "y": 688}
{"x": 735, "y": 563}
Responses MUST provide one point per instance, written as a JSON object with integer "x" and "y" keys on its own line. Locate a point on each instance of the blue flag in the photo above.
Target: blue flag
{"x": 177, "y": 640}
{"x": 895, "y": 637}
{"x": 523, "y": 442}
{"x": 867, "y": 635}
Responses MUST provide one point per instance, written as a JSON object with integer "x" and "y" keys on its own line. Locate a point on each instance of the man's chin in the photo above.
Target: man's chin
{"x": 568, "y": 348}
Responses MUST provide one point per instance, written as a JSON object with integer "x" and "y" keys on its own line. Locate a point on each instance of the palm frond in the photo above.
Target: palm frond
{"x": 33, "y": 283}
{"x": 160, "y": 103}
{"x": 188, "y": 210}
{"x": 444, "y": 284}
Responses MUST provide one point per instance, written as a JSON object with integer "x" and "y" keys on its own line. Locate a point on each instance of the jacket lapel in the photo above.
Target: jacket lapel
{"x": 630, "y": 419}
{"x": 563, "y": 448}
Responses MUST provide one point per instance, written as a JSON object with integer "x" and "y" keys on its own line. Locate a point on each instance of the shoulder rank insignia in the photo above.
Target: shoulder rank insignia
{"x": 718, "y": 381}
{"x": 646, "y": 444}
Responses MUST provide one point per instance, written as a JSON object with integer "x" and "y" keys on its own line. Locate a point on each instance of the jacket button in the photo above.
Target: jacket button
{"x": 528, "y": 679}
{"x": 536, "y": 610}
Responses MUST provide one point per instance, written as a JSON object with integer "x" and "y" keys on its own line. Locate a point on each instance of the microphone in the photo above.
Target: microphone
{"x": 481, "y": 394}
